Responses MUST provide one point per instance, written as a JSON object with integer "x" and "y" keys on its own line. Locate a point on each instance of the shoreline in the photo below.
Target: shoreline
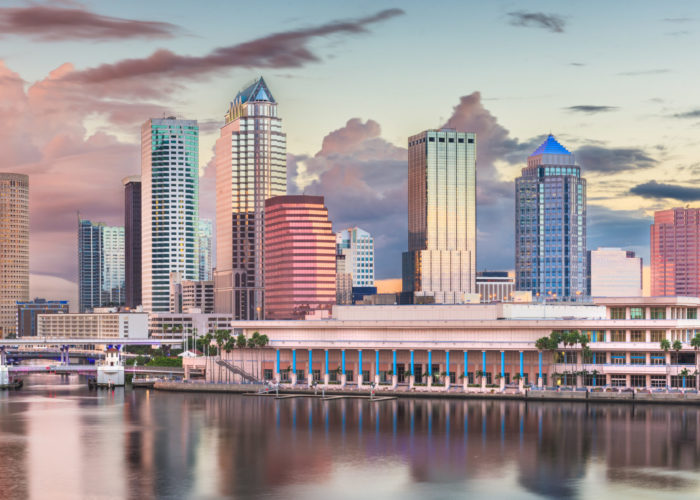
{"x": 538, "y": 395}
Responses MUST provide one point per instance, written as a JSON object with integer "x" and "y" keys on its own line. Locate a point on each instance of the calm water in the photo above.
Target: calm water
{"x": 59, "y": 440}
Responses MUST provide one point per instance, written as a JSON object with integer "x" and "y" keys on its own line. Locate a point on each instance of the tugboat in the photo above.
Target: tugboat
{"x": 110, "y": 373}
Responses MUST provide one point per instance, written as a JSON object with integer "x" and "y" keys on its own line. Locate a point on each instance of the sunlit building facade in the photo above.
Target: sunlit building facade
{"x": 169, "y": 207}
{"x": 251, "y": 167}
{"x": 441, "y": 257}
{"x": 614, "y": 272}
{"x": 550, "y": 225}
{"x": 358, "y": 247}
{"x": 300, "y": 257}
{"x": 14, "y": 248}
{"x": 675, "y": 252}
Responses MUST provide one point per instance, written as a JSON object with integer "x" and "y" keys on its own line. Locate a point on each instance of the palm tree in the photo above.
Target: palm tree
{"x": 221, "y": 337}
{"x": 677, "y": 346}
{"x": 207, "y": 342}
{"x": 695, "y": 343}
{"x": 684, "y": 373}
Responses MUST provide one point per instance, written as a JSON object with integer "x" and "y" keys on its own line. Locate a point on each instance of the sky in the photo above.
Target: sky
{"x": 616, "y": 85}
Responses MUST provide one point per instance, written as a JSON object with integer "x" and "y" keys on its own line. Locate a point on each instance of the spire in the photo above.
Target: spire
{"x": 551, "y": 147}
{"x": 256, "y": 91}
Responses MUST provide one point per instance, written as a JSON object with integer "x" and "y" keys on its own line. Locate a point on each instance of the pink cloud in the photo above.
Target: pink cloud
{"x": 50, "y": 23}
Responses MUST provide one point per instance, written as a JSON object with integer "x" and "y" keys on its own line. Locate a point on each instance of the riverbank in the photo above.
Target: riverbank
{"x": 531, "y": 395}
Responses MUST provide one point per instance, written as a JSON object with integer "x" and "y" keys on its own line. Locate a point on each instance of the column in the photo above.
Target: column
{"x": 594, "y": 375}
{"x": 293, "y": 376}
{"x": 465, "y": 380}
{"x": 503, "y": 370}
{"x": 376, "y": 366}
{"x": 310, "y": 375}
{"x": 326, "y": 376}
{"x": 343, "y": 376}
{"x": 277, "y": 366}
{"x": 359, "y": 368}
{"x": 483, "y": 368}
{"x": 394, "y": 377}
{"x": 521, "y": 382}
{"x": 447, "y": 370}
{"x": 412, "y": 376}
{"x": 539, "y": 363}
{"x": 430, "y": 368}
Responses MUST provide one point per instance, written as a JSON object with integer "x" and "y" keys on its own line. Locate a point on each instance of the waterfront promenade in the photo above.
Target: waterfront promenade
{"x": 568, "y": 394}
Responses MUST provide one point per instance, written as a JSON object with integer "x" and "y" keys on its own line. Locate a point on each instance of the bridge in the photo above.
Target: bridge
{"x": 91, "y": 369}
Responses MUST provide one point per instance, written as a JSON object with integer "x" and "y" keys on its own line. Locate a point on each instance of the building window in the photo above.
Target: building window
{"x": 658, "y": 313}
{"x": 617, "y": 313}
{"x": 677, "y": 381}
{"x": 617, "y": 336}
{"x": 658, "y": 359}
{"x": 636, "y": 313}
{"x": 267, "y": 374}
{"x": 692, "y": 313}
{"x": 637, "y": 359}
{"x": 637, "y": 336}
{"x": 657, "y": 335}
{"x": 618, "y": 381}
{"x": 617, "y": 358}
{"x": 638, "y": 380}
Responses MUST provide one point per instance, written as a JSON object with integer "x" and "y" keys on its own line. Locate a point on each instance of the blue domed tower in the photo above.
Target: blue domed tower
{"x": 550, "y": 225}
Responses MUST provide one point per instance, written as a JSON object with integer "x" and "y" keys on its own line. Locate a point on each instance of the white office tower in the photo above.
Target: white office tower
{"x": 169, "y": 206}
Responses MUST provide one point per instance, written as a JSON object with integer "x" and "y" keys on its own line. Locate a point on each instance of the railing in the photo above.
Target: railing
{"x": 238, "y": 371}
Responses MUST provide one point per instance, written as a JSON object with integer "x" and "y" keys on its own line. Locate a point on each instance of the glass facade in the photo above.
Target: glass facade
{"x": 132, "y": 240}
{"x": 251, "y": 166}
{"x": 358, "y": 247}
{"x": 204, "y": 249}
{"x": 675, "y": 246}
{"x": 550, "y": 225}
{"x": 299, "y": 257}
{"x": 441, "y": 257}
{"x": 169, "y": 206}
{"x": 14, "y": 248}
{"x": 101, "y": 272}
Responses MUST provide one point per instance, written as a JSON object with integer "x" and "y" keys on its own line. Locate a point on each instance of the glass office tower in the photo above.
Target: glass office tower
{"x": 550, "y": 225}
{"x": 441, "y": 257}
{"x": 101, "y": 272}
{"x": 204, "y": 248}
{"x": 132, "y": 240}
{"x": 251, "y": 166}
{"x": 169, "y": 207}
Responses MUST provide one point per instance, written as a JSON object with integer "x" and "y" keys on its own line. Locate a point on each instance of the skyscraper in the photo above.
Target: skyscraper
{"x": 441, "y": 257}
{"x": 204, "y": 236}
{"x": 132, "y": 240}
{"x": 358, "y": 247}
{"x": 614, "y": 273}
{"x": 299, "y": 257}
{"x": 169, "y": 207}
{"x": 100, "y": 265}
{"x": 250, "y": 168}
{"x": 550, "y": 225}
{"x": 14, "y": 248}
{"x": 675, "y": 252}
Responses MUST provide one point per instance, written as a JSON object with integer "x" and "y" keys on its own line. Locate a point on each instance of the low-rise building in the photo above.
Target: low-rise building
{"x": 27, "y": 313}
{"x": 170, "y": 326}
{"x": 94, "y": 325}
{"x": 495, "y": 286}
{"x": 486, "y": 343}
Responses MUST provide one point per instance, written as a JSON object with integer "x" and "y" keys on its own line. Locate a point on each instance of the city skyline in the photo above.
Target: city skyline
{"x": 613, "y": 129}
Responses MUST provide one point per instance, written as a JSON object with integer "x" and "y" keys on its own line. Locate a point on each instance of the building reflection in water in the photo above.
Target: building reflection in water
{"x": 144, "y": 444}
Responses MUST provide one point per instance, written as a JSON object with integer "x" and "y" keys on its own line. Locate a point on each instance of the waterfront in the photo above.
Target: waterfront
{"x": 59, "y": 440}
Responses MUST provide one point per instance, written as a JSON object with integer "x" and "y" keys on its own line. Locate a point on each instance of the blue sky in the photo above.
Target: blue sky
{"x": 614, "y": 81}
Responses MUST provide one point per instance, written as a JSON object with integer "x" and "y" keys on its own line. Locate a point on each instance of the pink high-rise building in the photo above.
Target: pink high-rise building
{"x": 675, "y": 252}
{"x": 299, "y": 257}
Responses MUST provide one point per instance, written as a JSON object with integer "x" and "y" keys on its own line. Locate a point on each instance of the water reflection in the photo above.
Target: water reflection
{"x": 144, "y": 444}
